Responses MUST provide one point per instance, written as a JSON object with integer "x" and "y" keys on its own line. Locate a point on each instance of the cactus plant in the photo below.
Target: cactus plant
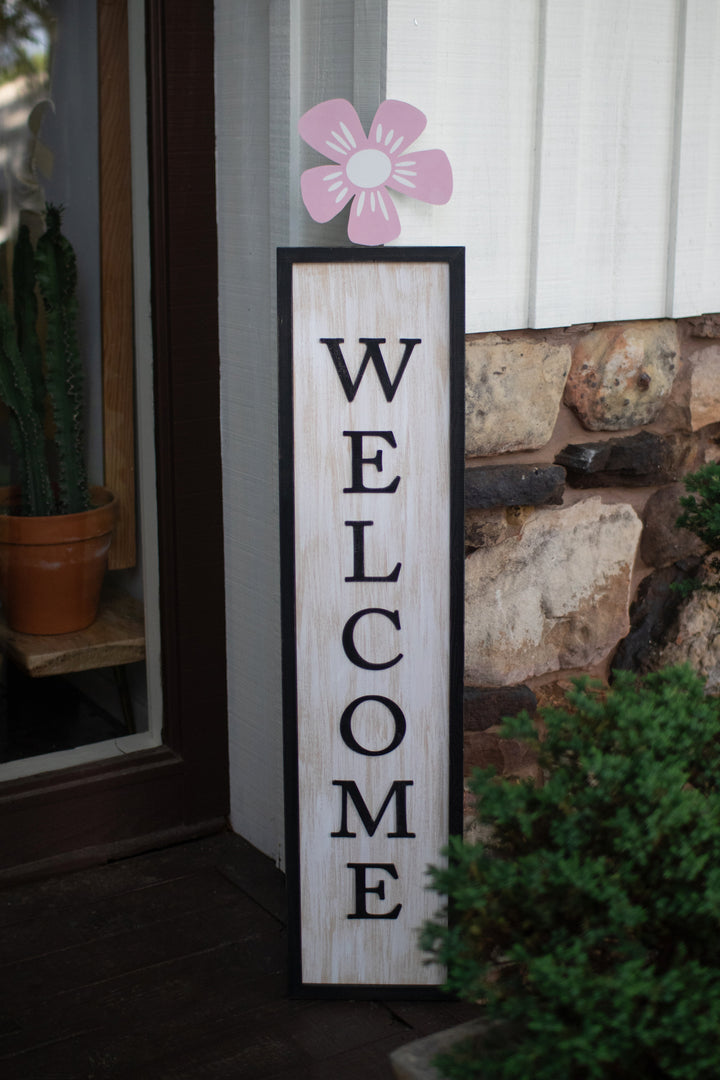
{"x": 51, "y": 481}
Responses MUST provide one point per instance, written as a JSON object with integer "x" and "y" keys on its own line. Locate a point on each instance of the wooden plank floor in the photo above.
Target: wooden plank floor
{"x": 171, "y": 965}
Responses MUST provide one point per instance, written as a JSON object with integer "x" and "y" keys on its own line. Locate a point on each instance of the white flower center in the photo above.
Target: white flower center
{"x": 368, "y": 168}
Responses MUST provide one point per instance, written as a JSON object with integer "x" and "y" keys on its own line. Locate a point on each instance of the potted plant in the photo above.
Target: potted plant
{"x": 55, "y": 530}
{"x": 588, "y": 919}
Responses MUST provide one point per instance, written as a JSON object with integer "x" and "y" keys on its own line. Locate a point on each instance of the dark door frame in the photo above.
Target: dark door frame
{"x": 88, "y": 814}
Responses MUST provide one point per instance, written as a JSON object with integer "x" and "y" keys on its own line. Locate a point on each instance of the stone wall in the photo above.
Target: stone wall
{"x": 577, "y": 440}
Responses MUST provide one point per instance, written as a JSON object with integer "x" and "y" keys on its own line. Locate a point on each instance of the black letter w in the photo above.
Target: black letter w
{"x": 372, "y": 352}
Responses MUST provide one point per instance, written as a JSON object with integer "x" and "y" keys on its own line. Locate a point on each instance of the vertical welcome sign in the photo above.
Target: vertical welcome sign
{"x": 371, "y": 441}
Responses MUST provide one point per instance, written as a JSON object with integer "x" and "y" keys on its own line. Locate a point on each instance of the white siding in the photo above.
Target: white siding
{"x": 247, "y": 392}
{"x": 472, "y": 69}
{"x": 605, "y": 161}
{"x": 585, "y": 140}
{"x": 696, "y": 276}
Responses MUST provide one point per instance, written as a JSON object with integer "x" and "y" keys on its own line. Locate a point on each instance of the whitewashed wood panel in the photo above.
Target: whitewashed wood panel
{"x": 695, "y": 280}
{"x": 410, "y": 525}
{"x": 471, "y": 67}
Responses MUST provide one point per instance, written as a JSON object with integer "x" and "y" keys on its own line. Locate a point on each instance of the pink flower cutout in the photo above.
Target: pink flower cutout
{"x": 366, "y": 166}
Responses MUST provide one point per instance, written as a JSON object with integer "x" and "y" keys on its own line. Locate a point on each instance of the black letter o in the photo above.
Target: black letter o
{"x": 346, "y": 726}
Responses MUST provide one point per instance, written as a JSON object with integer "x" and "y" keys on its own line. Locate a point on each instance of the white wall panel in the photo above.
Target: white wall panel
{"x": 605, "y": 160}
{"x": 695, "y": 281}
{"x": 248, "y": 410}
{"x": 472, "y": 69}
{"x": 585, "y": 141}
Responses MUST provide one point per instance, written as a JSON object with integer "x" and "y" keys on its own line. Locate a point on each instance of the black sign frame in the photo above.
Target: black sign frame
{"x": 287, "y": 258}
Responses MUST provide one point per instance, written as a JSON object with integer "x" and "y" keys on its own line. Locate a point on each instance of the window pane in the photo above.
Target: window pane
{"x": 55, "y": 698}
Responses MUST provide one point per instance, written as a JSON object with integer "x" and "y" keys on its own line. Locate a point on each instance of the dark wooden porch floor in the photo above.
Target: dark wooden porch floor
{"x": 172, "y": 965}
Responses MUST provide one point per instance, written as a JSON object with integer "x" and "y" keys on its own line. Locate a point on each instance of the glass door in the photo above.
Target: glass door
{"x": 65, "y": 141}
{"x": 114, "y": 737}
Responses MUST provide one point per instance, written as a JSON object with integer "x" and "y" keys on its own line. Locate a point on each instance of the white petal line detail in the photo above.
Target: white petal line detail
{"x": 405, "y": 172}
{"x": 381, "y": 201}
{"x": 340, "y": 139}
{"x": 372, "y": 201}
{"x": 348, "y": 134}
{"x": 378, "y": 133}
{"x": 395, "y": 145}
{"x": 360, "y": 203}
{"x": 403, "y": 164}
{"x": 402, "y": 180}
{"x": 339, "y": 149}
{"x": 341, "y": 194}
{"x": 335, "y": 186}
{"x": 333, "y": 175}
{"x": 388, "y": 137}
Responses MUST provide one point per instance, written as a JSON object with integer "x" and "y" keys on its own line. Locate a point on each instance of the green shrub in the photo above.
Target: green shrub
{"x": 701, "y": 515}
{"x": 589, "y": 922}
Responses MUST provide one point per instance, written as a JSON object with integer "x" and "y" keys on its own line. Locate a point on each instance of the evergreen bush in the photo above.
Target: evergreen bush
{"x": 701, "y": 515}
{"x": 589, "y": 921}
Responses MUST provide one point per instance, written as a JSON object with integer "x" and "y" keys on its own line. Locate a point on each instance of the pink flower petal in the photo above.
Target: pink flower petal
{"x": 373, "y": 218}
{"x": 325, "y": 190}
{"x": 333, "y": 128}
{"x": 425, "y": 174}
{"x": 396, "y": 126}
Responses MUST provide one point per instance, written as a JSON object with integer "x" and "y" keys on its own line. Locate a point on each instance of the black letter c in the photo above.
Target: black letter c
{"x": 349, "y": 645}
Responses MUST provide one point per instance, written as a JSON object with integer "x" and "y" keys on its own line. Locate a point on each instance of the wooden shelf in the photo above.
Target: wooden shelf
{"x": 116, "y": 637}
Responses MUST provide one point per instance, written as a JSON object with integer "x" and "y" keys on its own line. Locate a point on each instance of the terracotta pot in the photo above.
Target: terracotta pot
{"x": 52, "y": 568}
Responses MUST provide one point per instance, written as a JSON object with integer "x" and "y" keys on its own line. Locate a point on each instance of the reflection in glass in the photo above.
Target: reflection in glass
{"x": 49, "y": 153}
{"x": 27, "y": 30}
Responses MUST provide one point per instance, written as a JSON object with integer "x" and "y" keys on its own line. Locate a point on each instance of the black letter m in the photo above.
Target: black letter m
{"x": 397, "y": 791}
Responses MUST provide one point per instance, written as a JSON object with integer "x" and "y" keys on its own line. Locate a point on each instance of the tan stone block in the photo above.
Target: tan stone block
{"x": 696, "y": 640}
{"x": 622, "y": 373}
{"x": 553, "y": 695}
{"x": 555, "y": 597}
{"x": 513, "y": 392}
{"x": 663, "y": 541}
{"x": 707, "y": 326}
{"x": 484, "y": 527}
{"x": 509, "y": 757}
{"x": 705, "y": 387}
